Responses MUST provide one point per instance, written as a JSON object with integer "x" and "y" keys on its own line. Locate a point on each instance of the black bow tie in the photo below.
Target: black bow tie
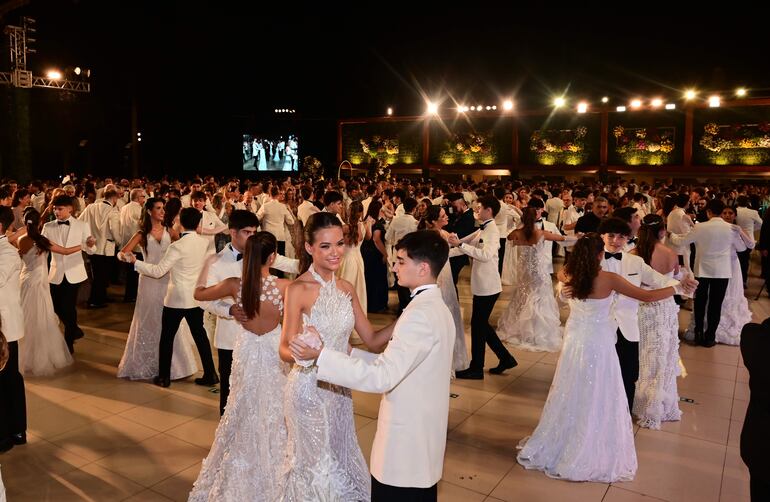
{"x": 238, "y": 257}
{"x": 632, "y": 241}
{"x": 65, "y": 222}
{"x": 484, "y": 225}
{"x": 418, "y": 292}
{"x": 617, "y": 256}
{"x": 579, "y": 210}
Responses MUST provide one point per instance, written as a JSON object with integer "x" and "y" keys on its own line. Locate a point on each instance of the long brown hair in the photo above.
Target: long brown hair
{"x": 317, "y": 221}
{"x": 647, "y": 237}
{"x": 145, "y": 223}
{"x": 259, "y": 247}
{"x": 354, "y": 216}
{"x": 173, "y": 207}
{"x": 528, "y": 218}
{"x": 583, "y": 265}
{"x": 32, "y": 222}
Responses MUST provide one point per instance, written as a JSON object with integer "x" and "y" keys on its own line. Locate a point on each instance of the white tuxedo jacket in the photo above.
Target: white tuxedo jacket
{"x": 273, "y": 216}
{"x": 715, "y": 243}
{"x": 483, "y": 248}
{"x": 130, "y": 217}
{"x": 184, "y": 259}
{"x": 625, "y": 309}
{"x": 69, "y": 266}
{"x": 104, "y": 220}
{"x": 11, "y": 319}
{"x": 547, "y": 251}
{"x": 413, "y": 373}
{"x": 677, "y": 222}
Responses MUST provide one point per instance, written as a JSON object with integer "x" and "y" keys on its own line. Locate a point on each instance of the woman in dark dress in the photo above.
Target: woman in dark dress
{"x": 375, "y": 260}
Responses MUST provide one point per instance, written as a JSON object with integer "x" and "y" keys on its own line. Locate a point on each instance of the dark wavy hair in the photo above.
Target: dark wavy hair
{"x": 145, "y": 223}
{"x": 528, "y": 219}
{"x": 431, "y": 216}
{"x": 648, "y": 236}
{"x": 259, "y": 247}
{"x": 355, "y": 212}
{"x": 173, "y": 207}
{"x": 32, "y": 222}
{"x": 317, "y": 221}
{"x": 584, "y": 265}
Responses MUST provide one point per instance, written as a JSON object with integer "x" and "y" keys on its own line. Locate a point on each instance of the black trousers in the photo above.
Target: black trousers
{"x": 628, "y": 356}
{"x": 759, "y": 485}
{"x": 387, "y": 493}
{"x": 501, "y": 256}
{"x": 101, "y": 267}
{"x": 169, "y": 325}
{"x": 743, "y": 259}
{"x": 710, "y": 292}
{"x": 456, "y": 264}
{"x": 65, "y": 297}
{"x": 281, "y": 248}
{"x": 13, "y": 401}
{"x": 225, "y": 365}
{"x": 132, "y": 280}
{"x": 483, "y": 334}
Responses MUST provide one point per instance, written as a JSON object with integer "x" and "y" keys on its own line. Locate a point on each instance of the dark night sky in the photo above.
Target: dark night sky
{"x": 202, "y": 75}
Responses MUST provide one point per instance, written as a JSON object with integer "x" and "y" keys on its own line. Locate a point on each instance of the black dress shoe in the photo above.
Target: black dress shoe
{"x": 708, "y": 343}
{"x": 161, "y": 382}
{"x": 504, "y": 365}
{"x": 470, "y": 374}
{"x": 20, "y": 438}
{"x": 78, "y": 335}
{"x": 6, "y": 445}
{"x": 208, "y": 381}
{"x": 97, "y": 305}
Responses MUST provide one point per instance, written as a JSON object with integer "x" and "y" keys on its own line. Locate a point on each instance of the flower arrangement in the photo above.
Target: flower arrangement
{"x": 312, "y": 167}
{"x": 638, "y": 140}
{"x": 469, "y": 149}
{"x": 739, "y": 136}
{"x": 560, "y": 146}
{"x": 377, "y": 145}
{"x": 467, "y": 144}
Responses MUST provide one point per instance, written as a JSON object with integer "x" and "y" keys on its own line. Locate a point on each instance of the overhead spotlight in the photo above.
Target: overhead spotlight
{"x": 714, "y": 101}
{"x": 139, "y": 134}
{"x": 77, "y": 70}
{"x": 656, "y": 103}
{"x": 275, "y": 111}
{"x": 489, "y": 107}
{"x": 582, "y": 107}
{"x": 636, "y": 103}
{"x": 740, "y": 92}
{"x": 690, "y": 94}
{"x": 508, "y": 105}
{"x": 432, "y": 108}
{"x": 479, "y": 108}
{"x": 390, "y": 111}
{"x": 620, "y": 109}
{"x": 605, "y": 99}
{"x": 559, "y": 102}
{"x": 670, "y": 106}
{"x": 54, "y": 74}
{"x": 494, "y": 107}
{"x": 139, "y": 139}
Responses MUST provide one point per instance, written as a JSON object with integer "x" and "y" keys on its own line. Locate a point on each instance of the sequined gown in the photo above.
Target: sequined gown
{"x": 324, "y": 462}
{"x": 531, "y": 321}
{"x": 585, "y": 431}
{"x": 656, "y": 398}
{"x": 246, "y": 460}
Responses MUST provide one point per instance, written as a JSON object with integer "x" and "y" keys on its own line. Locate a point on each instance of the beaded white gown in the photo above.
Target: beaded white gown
{"x": 140, "y": 357}
{"x": 246, "y": 459}
{"x": 43, "y": 349}
{"x": 445, "y": 283}
{"x": 585, "y": 432}
{"x": 531, "y": 320}
{"x": 323, "y": 461}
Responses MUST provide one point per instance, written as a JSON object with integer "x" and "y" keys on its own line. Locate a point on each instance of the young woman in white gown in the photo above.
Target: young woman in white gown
{"x": 531, "y": 321}
{"x": 656, "y": 399}
{"x": 436, "y": 219}
{"x": 585, "y": 433}
{"x": 43, "y": 349}
{"x": 246, "y": 460}
{"x": 352, "y": 266}
{"x": 735, "y": 307}
{"x": 508, "y": 276}
{"x": 323, "y": 460}
{"x": 140, "y": 357}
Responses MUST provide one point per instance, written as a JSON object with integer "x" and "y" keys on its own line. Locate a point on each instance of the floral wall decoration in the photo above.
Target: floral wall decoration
{"x": 469, "y": 148}
{"x": 644, "y": 145}
{"x": 738, "y": 144}
{"x": 382, "y": 153}
{"x": 560, "y": 146}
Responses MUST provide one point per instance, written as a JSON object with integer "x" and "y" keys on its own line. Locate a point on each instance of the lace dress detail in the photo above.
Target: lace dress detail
{"x": 246, "y": 460}
{"x": 656, "y": 399}
{"x": 531, "y": 321}
{"x": 324, "y": 462}
{"x": 585, "y": 433}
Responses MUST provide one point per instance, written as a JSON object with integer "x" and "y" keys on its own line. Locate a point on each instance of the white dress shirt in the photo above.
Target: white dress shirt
{"x": 273, "y": 215}
{"x": 677, "y": 222}
{"x": 210, "y": 226}
{"x": 399, "y": 227}
{"x": 483, "y": 247}
{"x": 304, "y": 211}
{"x": 104, "y": 220}
{"x": 715, "y": 243}
{"x": 70, "y": 266}
{"x": 749, "y": 220}
{"x": 553, "y": 207}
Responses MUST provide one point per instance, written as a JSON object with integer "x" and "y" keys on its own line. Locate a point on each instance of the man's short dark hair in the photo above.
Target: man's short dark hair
{"x": 451, "y": 197}
{"x": 240, "y": 218}
{"x": 614, "y": 226}
{"x": 305, "y": 192}
{"x": 197, "y": 195}
{"x": 742, "y": 201}
{"x": 190, "y": 217}
{"x": 490, "y": 202}
{"x": 426, "y": 246}
{"x": 63, "y": 200}
{"x": 6, "y": 218}
{"x": 716, "y": 206}
{"x": 579, "y": 195}
{"x": 331, "y": 197}
{"x": 409, "y": 205}
{"x": 499, "y": 193}
{"x": 400, "y": 193}
{"x": 682, "y": 199}
{"x": 536, "y": 203}
{"x": 624, "y": 213}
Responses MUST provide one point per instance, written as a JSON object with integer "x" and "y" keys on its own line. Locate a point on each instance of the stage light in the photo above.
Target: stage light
{"x": 494, "y": 107}
{"x": 390, "y": 111}
{"x": 690, "y": 94}
{"x": 139, "y": 134}
{"x": 670, "y": 106}
{"x": 558, "y": 102}
{"x": 740, "y": 92}
{"x": 77, "y": 70}
{"x": 432, "y": 108}
{"x": 620, "y": 109}
{"x": 489, "y": 107}
{"x": 54, "y": 74}
{"x": 636, "y": 103}
{"x": 139, "y": 139}
{"x": 605, "y": 99}
{"x": 478, "y": 108}
{"x": 582, "y": 107}
{"x": 508, "y": 105}
{"x": 656, "y": 103}
{"x": 275, "y": 111}
{"x": 714, "y": 101}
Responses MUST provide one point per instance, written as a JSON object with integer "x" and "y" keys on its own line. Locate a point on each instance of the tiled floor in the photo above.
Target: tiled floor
{"x": 93, "y": 437}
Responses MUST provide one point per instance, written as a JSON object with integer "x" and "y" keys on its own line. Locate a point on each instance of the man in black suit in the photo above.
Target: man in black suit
{"x": 589, "y": 222}
{"x": 755, "y": 436}
{"x": 464, "y": 224}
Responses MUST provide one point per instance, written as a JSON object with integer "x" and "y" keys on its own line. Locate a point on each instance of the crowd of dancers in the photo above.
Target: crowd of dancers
{"x": 281, "y": 274}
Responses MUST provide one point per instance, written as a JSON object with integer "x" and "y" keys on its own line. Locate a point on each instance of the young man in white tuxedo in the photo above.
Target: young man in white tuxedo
{"x": 615, "y": 233}
{"x": 67, "y": 272}
{"x": 486, "y": 286}
{"x": 225, "y": 264}
{"x": 13, "y": 408}
{"x": 103, "y": 219}
{"x": 184, "y": 260}
{"x": 413, "y": 374}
